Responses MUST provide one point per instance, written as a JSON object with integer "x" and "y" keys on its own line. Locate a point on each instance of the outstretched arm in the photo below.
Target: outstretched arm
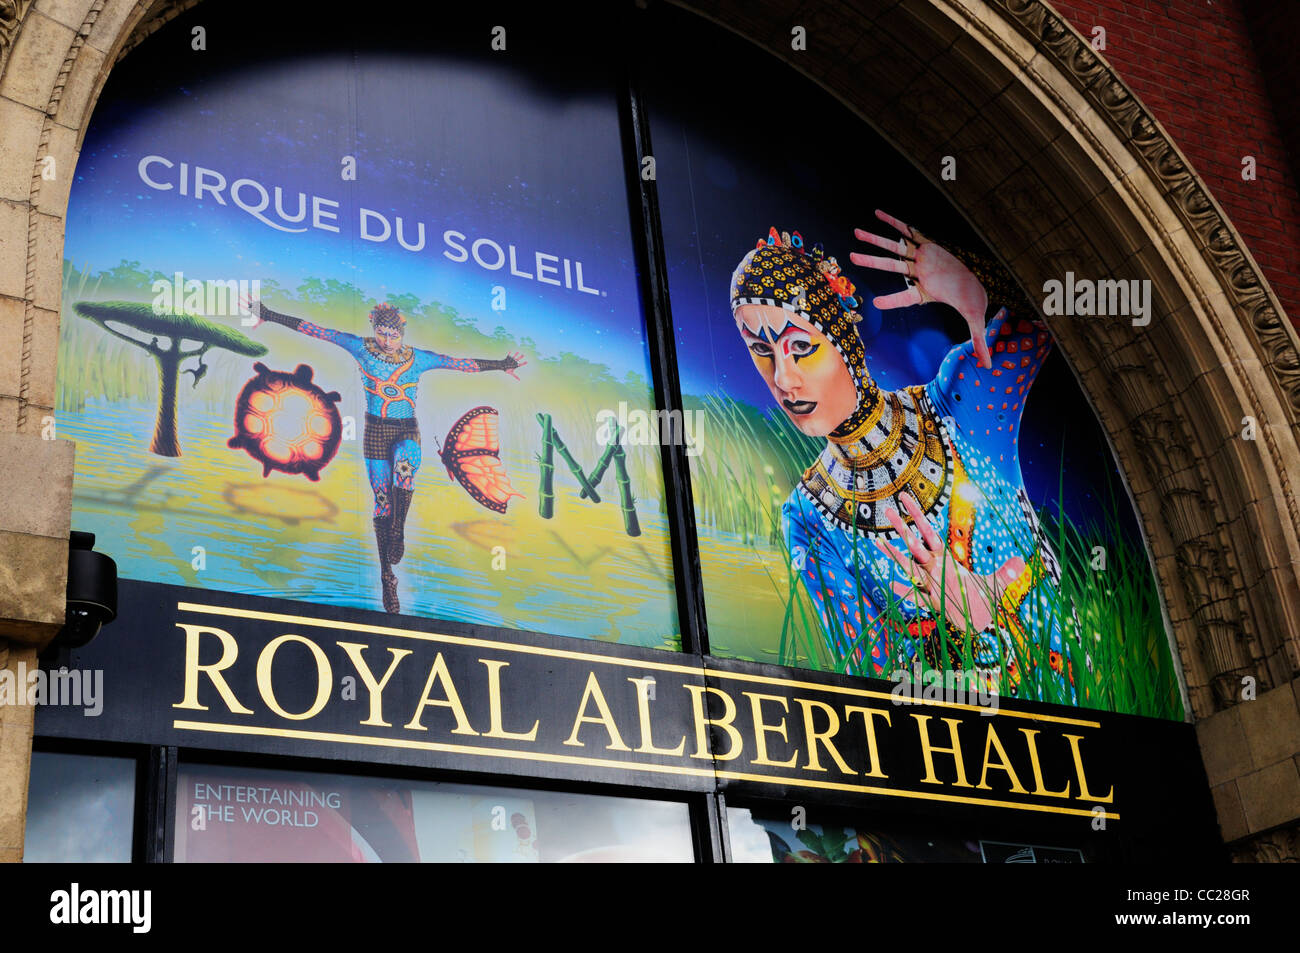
{"x": 1014, "y": 344}
{"x": 432, "y": 361}
{"x": 933, "y": 273}
{"x": 349, "y": 342}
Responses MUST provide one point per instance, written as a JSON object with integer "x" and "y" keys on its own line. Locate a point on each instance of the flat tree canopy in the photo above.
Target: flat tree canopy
{"x": 175, "y": 326}
{"x": 171, "y": 324}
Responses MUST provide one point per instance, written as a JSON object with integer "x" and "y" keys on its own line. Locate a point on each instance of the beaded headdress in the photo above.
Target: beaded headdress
{"x": 386, "y": 316}
{"x": 782, "y": 272}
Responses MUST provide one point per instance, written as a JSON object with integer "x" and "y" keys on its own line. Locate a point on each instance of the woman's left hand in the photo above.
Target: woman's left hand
{"x": 969, "y": 598}
{"x": 934, "y": 275}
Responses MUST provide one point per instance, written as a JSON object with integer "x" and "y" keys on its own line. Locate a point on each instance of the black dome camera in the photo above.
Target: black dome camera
{"x": 92, "y": 592}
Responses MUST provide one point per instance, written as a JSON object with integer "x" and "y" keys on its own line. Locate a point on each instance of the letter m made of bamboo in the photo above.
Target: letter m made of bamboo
{"x": 552, "y": 444}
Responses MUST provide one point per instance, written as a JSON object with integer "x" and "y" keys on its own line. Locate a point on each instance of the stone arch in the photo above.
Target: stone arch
{"x": 1060, "y": 167}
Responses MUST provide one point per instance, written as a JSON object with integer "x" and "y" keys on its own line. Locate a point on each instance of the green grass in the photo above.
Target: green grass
{"x": 748, "y": 467}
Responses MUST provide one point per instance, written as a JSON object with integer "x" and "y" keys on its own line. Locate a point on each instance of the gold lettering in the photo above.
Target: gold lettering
{"x": 1003, "y": 764}
{"x": 643, "y": 709}
{"x": 324, "y": 677}
{"x": 868, "y": 722}
{"x": 928, "y": 751}
{"x": 593, "y": 692}
{"x": 229, "y": 652}
{"x": 1040, "y": 789}
{"x": 702, "y": 722}
{"x": 761, "y": 729}
{"x": 1084, "y": 794}
{"x": 375, "y": 688}
{"x": 438, "y": 672}
{"x": 494, "y": 668}
{"x": 824, "y": 737}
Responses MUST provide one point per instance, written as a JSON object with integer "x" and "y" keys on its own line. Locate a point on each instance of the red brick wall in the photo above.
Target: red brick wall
{"x": 1196, "y": 66}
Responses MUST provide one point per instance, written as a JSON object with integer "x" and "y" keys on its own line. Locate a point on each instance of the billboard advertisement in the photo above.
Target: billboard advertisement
{"x": 339, "y": 328}
{"x": 364, "y": 328}
{"x": 900, "y": 474}
{"x": 556, "y": 458}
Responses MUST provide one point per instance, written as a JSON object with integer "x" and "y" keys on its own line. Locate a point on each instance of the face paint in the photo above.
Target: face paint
{"x": 816, "y": 393}
{"x": 389, "y": 339}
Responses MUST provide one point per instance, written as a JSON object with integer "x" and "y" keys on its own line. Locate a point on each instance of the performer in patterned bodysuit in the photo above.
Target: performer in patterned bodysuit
{"x": 916, "y": 510}
{"x": 390, "y": 373}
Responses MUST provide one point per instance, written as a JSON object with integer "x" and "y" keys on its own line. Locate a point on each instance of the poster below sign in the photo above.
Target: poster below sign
{"x": 251, "y": 815}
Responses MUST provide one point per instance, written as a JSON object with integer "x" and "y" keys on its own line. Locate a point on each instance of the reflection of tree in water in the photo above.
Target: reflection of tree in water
{"x": 660, "y": 569}
{"x": 584, "y": 563}
{"x": 484, "y": 534}
{"x": 128, "y": 497}
{"x": 147, "y": 531}
{"x": 629, "y": 609}
{"x": 500, "y": 587}
{"x": 279, "y": 565}
{"x": 288, "y": 504}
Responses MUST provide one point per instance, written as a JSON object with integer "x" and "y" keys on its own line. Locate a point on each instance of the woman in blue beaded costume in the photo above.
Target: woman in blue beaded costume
{"x": 912, "y": 531}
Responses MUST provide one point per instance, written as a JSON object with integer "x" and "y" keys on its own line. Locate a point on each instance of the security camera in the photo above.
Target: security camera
{"x": 92, "y": 592}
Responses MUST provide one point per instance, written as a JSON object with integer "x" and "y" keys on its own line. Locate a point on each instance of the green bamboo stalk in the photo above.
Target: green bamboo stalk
{"x": 546, "y": 460}
{"x": 602, "y": 464}
{"x": 588, "y": 490}
{"x": 625, "y": 497}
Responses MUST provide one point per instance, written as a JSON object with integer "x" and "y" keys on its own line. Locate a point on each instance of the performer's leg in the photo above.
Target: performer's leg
{"x": 406, "y": 462}
{"x": 381, "y": 484}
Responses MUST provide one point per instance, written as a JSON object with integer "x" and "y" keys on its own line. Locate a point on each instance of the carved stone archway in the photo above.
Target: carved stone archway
{"x": 1060, "y": 167}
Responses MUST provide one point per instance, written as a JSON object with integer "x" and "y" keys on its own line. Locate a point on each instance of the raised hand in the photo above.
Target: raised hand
{"x": 933, "y": 275}
{"x": 969, "y": 599}
{"x": 514, "y": 359}
{"x": 253, "y": 307}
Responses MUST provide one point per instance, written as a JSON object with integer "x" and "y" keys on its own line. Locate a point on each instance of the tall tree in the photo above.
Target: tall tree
{"x": 175, "y": 328}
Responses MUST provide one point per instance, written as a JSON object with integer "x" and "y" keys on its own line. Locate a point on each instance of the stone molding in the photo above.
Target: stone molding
{"x": 11, "y": 14}
{"x": 1061, "y": 168}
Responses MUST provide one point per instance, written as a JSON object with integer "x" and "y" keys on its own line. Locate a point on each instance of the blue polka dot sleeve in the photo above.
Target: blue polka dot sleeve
{"x": 840, "y": 597}
{"x": 986, "y": 404}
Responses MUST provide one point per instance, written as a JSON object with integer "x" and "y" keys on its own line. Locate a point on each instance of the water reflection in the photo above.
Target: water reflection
{"x": 578, "y": 574}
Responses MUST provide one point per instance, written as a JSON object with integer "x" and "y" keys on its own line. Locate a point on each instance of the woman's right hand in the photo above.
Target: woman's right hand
{"x": 935, "y": 275}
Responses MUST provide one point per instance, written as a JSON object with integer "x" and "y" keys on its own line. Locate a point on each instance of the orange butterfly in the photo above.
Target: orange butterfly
{"x": 472, "y": 458}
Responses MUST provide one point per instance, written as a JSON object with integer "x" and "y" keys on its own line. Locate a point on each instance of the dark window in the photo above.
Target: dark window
{"x": 80, "y": 808}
